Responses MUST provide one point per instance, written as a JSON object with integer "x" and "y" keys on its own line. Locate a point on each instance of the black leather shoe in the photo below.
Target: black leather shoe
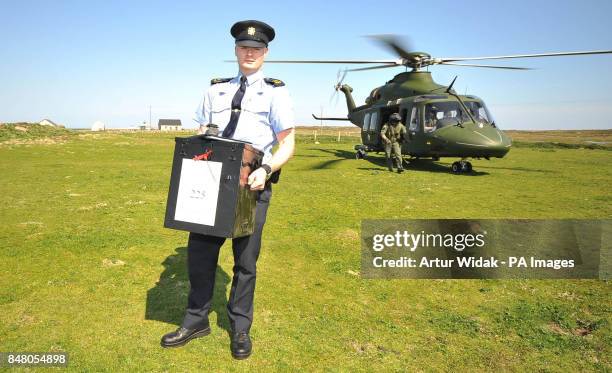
{"x": 241, "y": 345}
{"x": 182, "y": 335}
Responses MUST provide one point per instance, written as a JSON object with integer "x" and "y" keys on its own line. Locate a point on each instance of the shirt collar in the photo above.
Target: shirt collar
{"x": 251, "y": 78}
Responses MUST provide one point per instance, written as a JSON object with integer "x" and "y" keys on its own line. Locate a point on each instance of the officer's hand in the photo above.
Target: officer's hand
{"x": 257, "y": 179}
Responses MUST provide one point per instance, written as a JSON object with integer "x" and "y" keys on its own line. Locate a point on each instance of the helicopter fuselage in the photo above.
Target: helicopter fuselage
{"x": 439, "y": 123}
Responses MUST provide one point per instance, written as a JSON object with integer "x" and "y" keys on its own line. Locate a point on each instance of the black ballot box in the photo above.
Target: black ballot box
{"x": 208, "y": 191}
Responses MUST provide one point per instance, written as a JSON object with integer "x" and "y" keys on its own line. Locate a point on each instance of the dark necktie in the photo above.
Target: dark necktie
{"x": 231, "y": 126}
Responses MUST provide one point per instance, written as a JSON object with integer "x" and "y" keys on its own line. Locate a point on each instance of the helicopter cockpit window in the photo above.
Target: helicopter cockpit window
{"x": 479, "y": 112}
{"x": 442, "y": 114}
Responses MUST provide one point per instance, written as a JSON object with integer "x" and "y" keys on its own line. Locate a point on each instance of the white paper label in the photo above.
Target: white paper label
{"x": 198, "y": 192}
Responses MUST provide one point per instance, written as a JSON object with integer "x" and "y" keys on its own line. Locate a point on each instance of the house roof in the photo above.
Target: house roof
{"x": 169, "y": 122}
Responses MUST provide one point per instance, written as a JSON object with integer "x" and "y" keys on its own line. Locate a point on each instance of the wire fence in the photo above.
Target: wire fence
{"x": 328, "y": 134}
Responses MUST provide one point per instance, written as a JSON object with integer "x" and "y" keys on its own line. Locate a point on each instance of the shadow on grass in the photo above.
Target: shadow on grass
{"x": 342, "y": 155}
{"x": 414, "y": 164}
{"x": 380, "y": 161}
{"x": 522, "y": 169}
{"x": 431, "y": 166}
{"x": 167, "y": 300}
{"x": 419, "y": 165}
{"x": 308, "y": 156}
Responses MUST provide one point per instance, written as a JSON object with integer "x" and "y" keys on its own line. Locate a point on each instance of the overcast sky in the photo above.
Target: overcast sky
{"x": 77, "y": 62}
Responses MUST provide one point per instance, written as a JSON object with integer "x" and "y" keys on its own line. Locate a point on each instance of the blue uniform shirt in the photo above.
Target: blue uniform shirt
{"x": 266, "y": 110}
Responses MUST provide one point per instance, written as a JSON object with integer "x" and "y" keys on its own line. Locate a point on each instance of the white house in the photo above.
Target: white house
{"x": 169, "y": 125}
{"x": 98, "y": 126}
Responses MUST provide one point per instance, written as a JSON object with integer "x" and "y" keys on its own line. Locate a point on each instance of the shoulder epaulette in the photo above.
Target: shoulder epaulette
{"x": 220, "y": 80}
{"x": 274, "y": 82}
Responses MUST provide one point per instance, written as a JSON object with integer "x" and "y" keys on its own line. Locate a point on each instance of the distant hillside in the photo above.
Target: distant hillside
{"x": 29, "y": 131}
{"x": 565, "y": 136}
{"x": 566, "y": 139}
{"x": 569, "y": 139}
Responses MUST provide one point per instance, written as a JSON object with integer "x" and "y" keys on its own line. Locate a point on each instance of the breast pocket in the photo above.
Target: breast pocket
{"x": 256, "y": 111}
{"x": 257, "y": 104}
{"x": 254, "y": 125}
{"x": 221, "y": 108}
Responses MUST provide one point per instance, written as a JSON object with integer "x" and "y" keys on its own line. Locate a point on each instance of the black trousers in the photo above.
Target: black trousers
{"x": 202, "y": 257}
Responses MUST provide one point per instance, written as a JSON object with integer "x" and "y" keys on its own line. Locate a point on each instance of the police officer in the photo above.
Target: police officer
{"x": 393, "y": 134}
{"x": 253, "y": 108}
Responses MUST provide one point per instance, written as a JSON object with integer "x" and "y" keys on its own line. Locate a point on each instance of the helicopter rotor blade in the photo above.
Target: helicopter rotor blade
{"x": 398, "y": 45}
{"x": 487, "y": 66}
{"x": 326, "y": 61}
{"x": 332, "y": 96}
{"x": 446, "y": 59}
{"x": 375, "y": 67}
{"x": 344, "y": 72}
{"x": 416, "y": 61}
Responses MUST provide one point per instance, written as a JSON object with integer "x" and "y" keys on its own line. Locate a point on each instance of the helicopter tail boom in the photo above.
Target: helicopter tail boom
{"x": 322, "y": 118}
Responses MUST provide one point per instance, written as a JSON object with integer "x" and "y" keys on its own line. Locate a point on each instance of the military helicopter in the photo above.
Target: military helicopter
{"x": 439, "y": 122}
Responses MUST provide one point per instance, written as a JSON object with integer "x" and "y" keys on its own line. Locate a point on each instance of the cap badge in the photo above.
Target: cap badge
{"x": 251, "y": 31}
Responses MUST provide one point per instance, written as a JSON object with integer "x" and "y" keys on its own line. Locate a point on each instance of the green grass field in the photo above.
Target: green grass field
{"x": 88, "y": 268}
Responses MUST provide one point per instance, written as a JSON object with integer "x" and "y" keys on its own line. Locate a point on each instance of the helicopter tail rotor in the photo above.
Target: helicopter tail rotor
{"x": 339, "y": 79}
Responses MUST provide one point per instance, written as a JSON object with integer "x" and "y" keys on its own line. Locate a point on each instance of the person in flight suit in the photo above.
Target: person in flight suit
{"x": 393, "y": 134}
{"x": 431, "y": 119}
{"x": 253, "y": 108}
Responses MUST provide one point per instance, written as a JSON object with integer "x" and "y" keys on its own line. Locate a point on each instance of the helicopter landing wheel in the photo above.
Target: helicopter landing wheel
{"x": 461, "y": 167}
{"x": 466, "y": 166}
{"x": 456, "y": 167}
{"x": 360, "y": 154}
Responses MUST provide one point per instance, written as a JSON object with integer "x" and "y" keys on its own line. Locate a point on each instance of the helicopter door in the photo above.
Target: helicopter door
{"x": 404, "y": 114}
{"x": 369, "y": 130}
{"x": 374, "y": 128}
{"x": 364, "y": 128}
{"x": 414, "y": 128}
